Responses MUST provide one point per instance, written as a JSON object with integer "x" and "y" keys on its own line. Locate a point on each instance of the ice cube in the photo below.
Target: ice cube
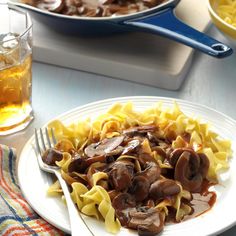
{"x": 9, "y": 50}
{"x": 10, "y": 41}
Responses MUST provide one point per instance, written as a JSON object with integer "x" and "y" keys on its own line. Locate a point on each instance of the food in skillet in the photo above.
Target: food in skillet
{"x": 93, "y": 8}
{"x": 139, "y": 170}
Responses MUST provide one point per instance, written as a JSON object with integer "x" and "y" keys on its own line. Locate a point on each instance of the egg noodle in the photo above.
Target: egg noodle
{"x": 226, "y": 9}
{"x": 96, "y": 201}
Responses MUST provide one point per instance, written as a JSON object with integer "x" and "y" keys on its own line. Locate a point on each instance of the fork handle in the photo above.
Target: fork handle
{"x": 77, "y": 224}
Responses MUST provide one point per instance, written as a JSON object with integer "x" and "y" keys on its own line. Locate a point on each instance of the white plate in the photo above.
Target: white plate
{"x": 34, "y": 182}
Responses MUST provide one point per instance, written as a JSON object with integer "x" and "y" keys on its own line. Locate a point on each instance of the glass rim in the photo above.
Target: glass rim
{"x": 28, "y": 22}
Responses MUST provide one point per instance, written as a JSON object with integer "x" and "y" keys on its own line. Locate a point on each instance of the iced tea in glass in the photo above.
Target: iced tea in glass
{"x": 15, "y": 69}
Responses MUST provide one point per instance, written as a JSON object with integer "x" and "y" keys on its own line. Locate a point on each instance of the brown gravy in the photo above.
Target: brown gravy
{"x": 201, "y": 203}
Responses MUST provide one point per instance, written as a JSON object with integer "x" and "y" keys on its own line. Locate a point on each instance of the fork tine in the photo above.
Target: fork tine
{"x": 40, "y": 150}
{"x": 48, "y": 139}
{"x": 42, "y": 139}
{"x": 37, "y": 141}
{"x": 53, "y": 137}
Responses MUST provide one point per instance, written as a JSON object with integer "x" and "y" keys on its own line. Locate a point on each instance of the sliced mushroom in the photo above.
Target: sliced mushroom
{"x": 105, "y": 147}
{"x": 148, "y": 221}
{"x": 121, "y": 175}
{"x": 152, "y": 172}
{"x": 140, "y": 188}
{"x": 123, "y": 201}
{"x": 131, "y": 146}
{"x": 78, "y": 164}
{"x": 52, "y": 155}
{"x": 187, "y": 172}
{"x": 163, "y": 188}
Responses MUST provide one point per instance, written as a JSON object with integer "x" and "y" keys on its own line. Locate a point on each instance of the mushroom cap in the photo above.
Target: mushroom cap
{"x": 121, "y": 175}
{"x": 140, "y": 188}
{"x": 163, "y": 188}
{"x": 123, "y": 201}
{"x": 152, "y": 172}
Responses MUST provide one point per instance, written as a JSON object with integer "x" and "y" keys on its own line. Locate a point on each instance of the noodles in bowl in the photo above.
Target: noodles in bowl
{"x": 139, "y": 169}
{"x": 222, "y": 13}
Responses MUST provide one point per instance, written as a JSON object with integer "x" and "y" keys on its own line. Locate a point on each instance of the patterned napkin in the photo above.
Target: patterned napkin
{"x": 17, "y": 218}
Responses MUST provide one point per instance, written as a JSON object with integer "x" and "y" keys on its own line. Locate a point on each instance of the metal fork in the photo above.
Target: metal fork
{"x": 77, "y": 224}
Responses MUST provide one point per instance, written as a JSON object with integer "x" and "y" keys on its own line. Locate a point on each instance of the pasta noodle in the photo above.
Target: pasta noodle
{"x": 54, "y": 189}
{"x": 102, "y": 172}
{"x": 226, "y": 9}
{"x": 96, "y": 202}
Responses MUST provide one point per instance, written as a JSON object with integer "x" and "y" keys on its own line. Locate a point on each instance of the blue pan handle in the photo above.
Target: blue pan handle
{"x": 166, "y": 24}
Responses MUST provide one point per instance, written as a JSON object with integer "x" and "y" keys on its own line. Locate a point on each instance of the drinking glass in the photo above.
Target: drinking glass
{"x": 15, "y": 69}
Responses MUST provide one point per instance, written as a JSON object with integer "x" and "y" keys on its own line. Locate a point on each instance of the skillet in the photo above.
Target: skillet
{"x": 160, "y": 20}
